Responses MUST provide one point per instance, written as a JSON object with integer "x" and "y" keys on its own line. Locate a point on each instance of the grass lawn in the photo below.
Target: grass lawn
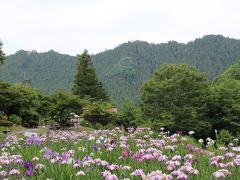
{"x": 81, "y": 129}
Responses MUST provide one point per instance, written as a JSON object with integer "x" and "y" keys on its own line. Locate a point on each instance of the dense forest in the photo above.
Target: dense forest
{"x": 123, "y": 69}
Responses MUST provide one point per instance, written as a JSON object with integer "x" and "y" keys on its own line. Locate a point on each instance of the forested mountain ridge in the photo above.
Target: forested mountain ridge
{"x": 48, "y": 71}
{"x": 123, "y": 69}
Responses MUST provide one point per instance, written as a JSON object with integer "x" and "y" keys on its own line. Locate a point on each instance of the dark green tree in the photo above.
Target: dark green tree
{"x": 100, "y": 113}
{"x": 224, "y": 102}
{"x": 61, "y": 105}
{"x": 175, "y": 98}
{"x": 131, "y": 115}
{"x": 20, "y": 100}
{"x": 26, "y": 104}
{"x": 86, "y": 83}
{"x": 2, "y": 55}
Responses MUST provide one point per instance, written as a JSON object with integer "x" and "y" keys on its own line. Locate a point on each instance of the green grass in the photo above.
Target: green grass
{"x": 82, "y": 128}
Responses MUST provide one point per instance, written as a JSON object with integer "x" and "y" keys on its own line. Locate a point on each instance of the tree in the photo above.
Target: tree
{"x": 2, "y": 55}
{"x": 175, "y": 98}
{"x": 20, "y": 100}
{"x": 61, "y": 105}
{"x": 26, "y": 104}
{"x": 86, "y": 83}
{"x": 224, "y": 102}
{"x": 131, "y": 115}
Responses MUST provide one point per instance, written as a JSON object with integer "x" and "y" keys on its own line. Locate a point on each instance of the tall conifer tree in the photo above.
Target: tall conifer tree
{"x": 86, "y": 83}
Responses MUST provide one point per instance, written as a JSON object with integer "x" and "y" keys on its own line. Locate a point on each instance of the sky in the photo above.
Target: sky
{"x": 70, "y": 26}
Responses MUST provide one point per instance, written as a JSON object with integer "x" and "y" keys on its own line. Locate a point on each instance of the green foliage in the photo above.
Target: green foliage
{"x": 99, "y": 112}
{"x": 15, "y": 119}
{"x": 86, "y": 123}
{"x": 6, "y": 123}
{"x": 175, "y": 98}
{"x": 98, "y": 126}
{"x": 86, "y": 83}
{"x": 224, "y": 104}
{"x": 231, "y": 73}
{"x": 123, "y": 69}
{"x": 48, "y": 72}
{"x": 131, "y": 115}
{"x": 61, "y": 105}
{"x": 25, "y": 105}
{"x": 20, "y": 100}
{"x": 2, "y": 55}
{"x": 224, "y": 137}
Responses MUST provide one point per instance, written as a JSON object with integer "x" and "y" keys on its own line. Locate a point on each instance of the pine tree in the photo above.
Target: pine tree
{"x": 86, "y": 83}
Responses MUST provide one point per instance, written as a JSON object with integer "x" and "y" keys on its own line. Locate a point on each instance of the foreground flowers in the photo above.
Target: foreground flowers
{"x": 115, "y": 154}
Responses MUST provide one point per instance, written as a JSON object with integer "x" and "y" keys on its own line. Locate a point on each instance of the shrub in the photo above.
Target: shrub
{"x": 15, "y": 119}
{"x": 5, "y": 123}
{"x": 98, "y": 126}
{"x": 86, "y": 123}
{"x": 109, "y": 126}
{"x": 224, "y": 137}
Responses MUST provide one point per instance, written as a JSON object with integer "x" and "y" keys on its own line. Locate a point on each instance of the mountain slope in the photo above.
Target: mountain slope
{"x": 47, "y": 71}
{"x": 210, "y": 54}
{"x": 123, "y": 69}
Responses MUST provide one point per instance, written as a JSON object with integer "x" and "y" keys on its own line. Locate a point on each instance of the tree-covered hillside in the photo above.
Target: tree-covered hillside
{"x": 47, "y": 71}
{"x": 123, "y": 69}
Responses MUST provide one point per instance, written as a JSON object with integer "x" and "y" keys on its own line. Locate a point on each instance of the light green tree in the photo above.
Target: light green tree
{"x": 175, "y": 98}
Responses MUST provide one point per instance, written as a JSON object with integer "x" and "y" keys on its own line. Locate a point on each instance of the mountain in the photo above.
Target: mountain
{"x": 124, "y": 68}
{"x": 47, "y": 71}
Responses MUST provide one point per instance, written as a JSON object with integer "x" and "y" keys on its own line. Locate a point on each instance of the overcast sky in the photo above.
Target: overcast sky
{"x": 70, "y": 26}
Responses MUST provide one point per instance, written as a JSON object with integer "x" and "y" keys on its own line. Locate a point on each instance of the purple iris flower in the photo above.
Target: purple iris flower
{"x": 112, "y": 142}
{"x": 104, "y": 146}
{"x": 66, "y": 156}
{"x": 55, "y": 154}
{"x": 95, "y": 147}
{"x": 28, "y": 165}
{"x": 78, "y": 161}
{"x": 20, "y": 162}
{"x": 87, "y": 158}
{"x": 47, "y": 153}
{"x": 29, "y": 172}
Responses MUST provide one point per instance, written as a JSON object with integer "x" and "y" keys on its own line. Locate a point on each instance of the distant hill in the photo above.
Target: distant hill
{"x": 47, "y": 71}
{"x": 123, "y": 69}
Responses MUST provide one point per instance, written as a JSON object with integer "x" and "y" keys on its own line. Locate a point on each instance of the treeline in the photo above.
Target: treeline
{"x": 177, "y": 97}
{"x": 26, "y": 106}
{"x": 123, "y": 69}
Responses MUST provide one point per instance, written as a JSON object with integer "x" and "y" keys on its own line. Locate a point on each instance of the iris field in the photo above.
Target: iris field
{"x": 117, "y": 154}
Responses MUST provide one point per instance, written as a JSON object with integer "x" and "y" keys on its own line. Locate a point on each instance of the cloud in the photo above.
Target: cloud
{"x": 69, "y": 26}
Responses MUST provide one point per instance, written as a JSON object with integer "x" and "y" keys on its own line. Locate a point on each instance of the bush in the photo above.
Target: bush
{"x": 224, "y": 137}
{"x": 15, "y": 119}
{"x": 86, "y": 123}
{"x": 98, "y": 126}
{"x": 5, "y": 123}
{"x": 109, "y": 126}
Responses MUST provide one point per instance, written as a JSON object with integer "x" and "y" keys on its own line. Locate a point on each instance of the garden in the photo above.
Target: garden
{"x": 138, "y": 153}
